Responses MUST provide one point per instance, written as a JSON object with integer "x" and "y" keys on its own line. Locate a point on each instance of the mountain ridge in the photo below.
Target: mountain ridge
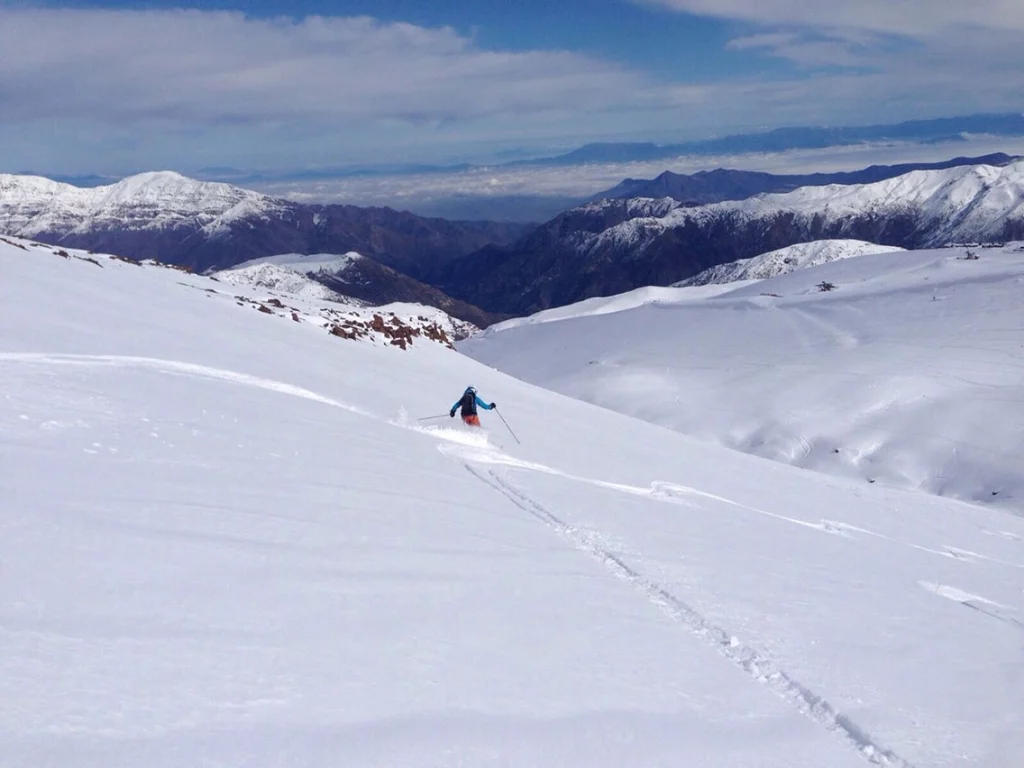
{"x": 795, "y": 137}
{"x": 614, "y": 246}
{"x": 721, "y": 184}
{"x": 175, "y": 219}
{"x": 783, "y": 260}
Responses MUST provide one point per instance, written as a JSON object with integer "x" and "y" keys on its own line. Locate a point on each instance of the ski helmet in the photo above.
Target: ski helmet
{"x": 471, "y": 390}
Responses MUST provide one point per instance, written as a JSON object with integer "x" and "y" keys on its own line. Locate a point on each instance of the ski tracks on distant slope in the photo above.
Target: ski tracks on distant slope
{"x": 191, "y": 370}
{"x": 840, "y": 336}
{"x": 468, "y": 450}
{"x": 756, "y": 664}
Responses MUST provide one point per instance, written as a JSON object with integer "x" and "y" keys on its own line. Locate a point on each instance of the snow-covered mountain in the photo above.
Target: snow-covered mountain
{"x": 720, "y": 184}
{"x": 202, "y": 225}
{"x": 667, "y": 241}
{"x": 293, "y": 297}
{"x": 282, "y": 280}
{"x": 229, "y": 540}
{"x": 906, "y": 373}
{"x": 783, "y": 260}
{"x": 31, "y": 205}
{"x": 353, "y": 279}
{"x": 308, "y": 263}
{"x": 293, "y": 274}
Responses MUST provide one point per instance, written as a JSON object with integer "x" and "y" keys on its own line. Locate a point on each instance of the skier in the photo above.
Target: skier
{"x": 469, "y": 401}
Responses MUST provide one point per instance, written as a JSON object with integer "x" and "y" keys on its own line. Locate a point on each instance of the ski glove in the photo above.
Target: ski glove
{"x": 494, "y": 405}
{"x": 452, "y": 413}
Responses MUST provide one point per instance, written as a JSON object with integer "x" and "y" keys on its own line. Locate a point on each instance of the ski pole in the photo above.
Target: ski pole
{"x": 428, "y": 418}
{"x": 506, "y": 425}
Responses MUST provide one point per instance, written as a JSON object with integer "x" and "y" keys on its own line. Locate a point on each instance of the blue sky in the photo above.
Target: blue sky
{"x": 118, "y": 87}
{"x": 656, "y": 39}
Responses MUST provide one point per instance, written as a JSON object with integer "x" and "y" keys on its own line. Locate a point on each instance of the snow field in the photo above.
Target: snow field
{"x": 228, "y": 539}
{"x": 908, "y": 373}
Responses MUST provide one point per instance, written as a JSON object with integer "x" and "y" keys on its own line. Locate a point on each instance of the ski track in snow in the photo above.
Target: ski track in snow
{"x": 756, "y": 664}
{"x": 472, "y": 449}
{"x": 175, "y": 367}
{"x": 957, "y": 595}
{"x": 974, "y": 602}
{"x": 843, "y": 339}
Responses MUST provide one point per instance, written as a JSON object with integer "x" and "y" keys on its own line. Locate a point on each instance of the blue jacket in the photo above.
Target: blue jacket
{"x": 469, "y": 406}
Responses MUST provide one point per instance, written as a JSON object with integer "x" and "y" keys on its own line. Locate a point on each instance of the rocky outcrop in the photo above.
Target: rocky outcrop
{"x": 397, "y": 332}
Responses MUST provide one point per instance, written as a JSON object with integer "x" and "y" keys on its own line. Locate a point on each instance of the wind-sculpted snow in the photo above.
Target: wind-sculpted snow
{"x": 230, "y": 538}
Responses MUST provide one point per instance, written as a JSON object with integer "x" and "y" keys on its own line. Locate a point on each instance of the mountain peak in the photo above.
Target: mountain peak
{"x": 156, "y": 201}
{"x": 156, "y": 185}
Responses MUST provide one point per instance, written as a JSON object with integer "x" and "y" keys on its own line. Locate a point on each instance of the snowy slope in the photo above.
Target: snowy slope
{"x": 294, "y": 297}
{"x": 308, "y": 276}
{"x": 228, "y": 541}
{"x": 31, "y": 205}
{"x": 294, "y": 273}
{"x": 908, "y": 373}
{"x": 281, "y": 281}
{"x": 304, "y": 263}
{"x": 783, "y": 260}
{"x": 289, "y": 273}
{"x": 606, "y": 305}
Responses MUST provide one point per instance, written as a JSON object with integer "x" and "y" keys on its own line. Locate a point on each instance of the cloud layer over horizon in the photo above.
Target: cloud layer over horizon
{"x": 117, "y": 90}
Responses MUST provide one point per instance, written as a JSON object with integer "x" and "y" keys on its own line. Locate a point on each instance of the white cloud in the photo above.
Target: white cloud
{"x": 122, "y": 91}
{"x": 582, "y": 181}
{"x": 933, "y": 56}
{"x": 810, "y": 51}
{"x": 225, "y": 67}
{"x": 911, "y": 18}
{"x": 764, "y": 40}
